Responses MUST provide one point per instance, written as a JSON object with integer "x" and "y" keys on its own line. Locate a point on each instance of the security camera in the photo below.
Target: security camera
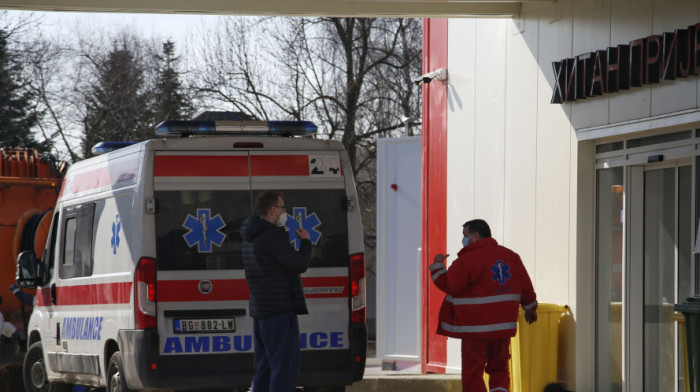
{"x": 438, "y": 74}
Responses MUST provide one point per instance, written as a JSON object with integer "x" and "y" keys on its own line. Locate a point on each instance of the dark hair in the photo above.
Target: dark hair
{"x": 266, "y": 200}
{"x": 478, "y": 226}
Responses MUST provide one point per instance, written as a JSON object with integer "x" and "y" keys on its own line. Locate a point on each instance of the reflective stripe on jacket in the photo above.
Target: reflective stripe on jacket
{"x": 484, "y": 288}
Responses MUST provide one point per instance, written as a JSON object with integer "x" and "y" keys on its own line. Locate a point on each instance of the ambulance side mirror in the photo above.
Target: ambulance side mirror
{"x": 27, "y": 270}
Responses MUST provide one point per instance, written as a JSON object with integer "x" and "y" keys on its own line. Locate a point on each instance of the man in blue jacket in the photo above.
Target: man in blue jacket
{"x": 272, "y": 269}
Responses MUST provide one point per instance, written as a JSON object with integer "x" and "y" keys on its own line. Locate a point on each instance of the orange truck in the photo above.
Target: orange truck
{"x": 29, "y": 186}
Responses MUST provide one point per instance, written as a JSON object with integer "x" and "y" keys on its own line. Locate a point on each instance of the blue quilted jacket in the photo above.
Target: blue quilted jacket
{"x": 273, "y": 268}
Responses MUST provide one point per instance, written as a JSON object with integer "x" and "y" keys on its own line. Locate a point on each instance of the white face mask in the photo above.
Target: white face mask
{"x": 282, "y": 219}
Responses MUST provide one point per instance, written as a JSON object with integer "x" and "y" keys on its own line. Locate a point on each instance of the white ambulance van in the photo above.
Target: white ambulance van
{"x": 142, "y": 287}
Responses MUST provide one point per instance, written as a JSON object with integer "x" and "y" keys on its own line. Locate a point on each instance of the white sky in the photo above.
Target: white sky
{"x": 177, "y": 27}
{"x": 182, "y": 29}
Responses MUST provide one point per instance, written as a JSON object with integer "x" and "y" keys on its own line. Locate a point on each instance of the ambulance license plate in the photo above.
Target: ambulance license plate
{"x": 204, "y": 325}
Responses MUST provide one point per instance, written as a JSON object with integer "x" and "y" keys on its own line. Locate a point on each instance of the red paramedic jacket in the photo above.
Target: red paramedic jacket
{"x": 484, "y": 287}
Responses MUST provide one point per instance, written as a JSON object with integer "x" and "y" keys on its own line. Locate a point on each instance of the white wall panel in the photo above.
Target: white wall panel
{"x": 521, "y": 136}
{"x": 631, "y": 104}
{"x": 461, "y": 133}
{"x": 584, "y": 351}
{"x": 670, "y": 97}
{"x": 673, "y": 96}
{"x": 461, "y": 115}
{"x": 568, "y": 328}
{"x": 630, "y": 20}
{"x": 555, "y": 277}
{"x": 590, "y": 112}
{"x": 591, "y": 32}
{"x": 669, "y": 15}
{"x": 490, "y": 123}
{"x": 553, "y": 165}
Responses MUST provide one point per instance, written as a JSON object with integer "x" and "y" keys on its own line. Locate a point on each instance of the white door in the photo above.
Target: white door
{"x": 398, "y": 254}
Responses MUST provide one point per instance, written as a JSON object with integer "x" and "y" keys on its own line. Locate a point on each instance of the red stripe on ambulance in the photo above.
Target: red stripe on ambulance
{"x": 200, "y": 166}
{"x": 188, "y": 290}
{"x": 182, "y": 291}
{"x": 90, "y": 294}
{"x": 230, "y": 166}
{"x": 279, "y": 165}
{"x": 237, "y": 289}
{"x": 115, "y": 175}
{"x": 90, "y": 180}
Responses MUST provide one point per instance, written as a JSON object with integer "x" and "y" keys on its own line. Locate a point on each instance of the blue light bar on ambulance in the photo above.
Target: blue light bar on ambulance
{"x": 105, "y": 147}
{"x": 186, "y": 128}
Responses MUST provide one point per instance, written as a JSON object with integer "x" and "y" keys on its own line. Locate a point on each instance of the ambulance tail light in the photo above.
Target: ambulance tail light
{"x": 145, "y": 294}
{"x": 357, "y": 287}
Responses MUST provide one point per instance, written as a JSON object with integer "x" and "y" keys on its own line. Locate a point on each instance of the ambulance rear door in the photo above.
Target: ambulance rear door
{"x": 204, "y": 330}
{"x": 315, "y": 197}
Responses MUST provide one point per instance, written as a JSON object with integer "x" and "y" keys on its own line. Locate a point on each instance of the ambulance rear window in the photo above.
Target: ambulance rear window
{"x": 200, "y": 230}
{"x": 321, "y": 212}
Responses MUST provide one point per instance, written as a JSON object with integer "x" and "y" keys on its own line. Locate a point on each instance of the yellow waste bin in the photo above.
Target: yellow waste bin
{"x": 678, "y": 317}
{"x": 534, "y": 350}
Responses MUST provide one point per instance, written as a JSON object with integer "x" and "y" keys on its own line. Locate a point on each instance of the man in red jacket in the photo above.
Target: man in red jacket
{"x": 484, "y": 288}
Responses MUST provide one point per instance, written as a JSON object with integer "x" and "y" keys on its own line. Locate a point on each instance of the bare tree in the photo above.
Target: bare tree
{"x": 45, "y": 65}
{"x": 63, "y": 74}
{"x": 352, "y": 76}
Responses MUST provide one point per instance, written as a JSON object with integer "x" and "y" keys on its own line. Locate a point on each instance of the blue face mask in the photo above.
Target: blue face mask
{"x": 465, "y": 241}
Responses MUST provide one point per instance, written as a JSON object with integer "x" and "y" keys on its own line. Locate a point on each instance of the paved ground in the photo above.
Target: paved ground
{"x": 377, "y": 379}
{"x": 404, "y": 380}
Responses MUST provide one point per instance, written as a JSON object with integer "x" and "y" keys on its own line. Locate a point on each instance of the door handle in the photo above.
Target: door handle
{"x": 53, "y": 293}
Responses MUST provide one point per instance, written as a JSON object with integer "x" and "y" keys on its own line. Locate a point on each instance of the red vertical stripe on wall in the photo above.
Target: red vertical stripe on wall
{"x": 434, "y": 213}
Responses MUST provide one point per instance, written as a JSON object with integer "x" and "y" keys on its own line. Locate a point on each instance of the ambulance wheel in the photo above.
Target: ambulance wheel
{"x": 115, "y": 374}
{"x": 34, "y": 372}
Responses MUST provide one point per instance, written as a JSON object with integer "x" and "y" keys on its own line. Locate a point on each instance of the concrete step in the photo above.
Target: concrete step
{"x": 408, "y": 383}
{"x": 401, "y": 377}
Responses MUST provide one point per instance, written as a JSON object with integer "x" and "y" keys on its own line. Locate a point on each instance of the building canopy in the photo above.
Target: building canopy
{"x": 341, "y": 8}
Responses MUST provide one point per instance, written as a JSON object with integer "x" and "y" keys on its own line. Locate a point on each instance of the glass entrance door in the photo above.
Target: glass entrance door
{"x": 609, "y": 278}
{"x": 659, "y": 260}
{"x": 643, "y": 267}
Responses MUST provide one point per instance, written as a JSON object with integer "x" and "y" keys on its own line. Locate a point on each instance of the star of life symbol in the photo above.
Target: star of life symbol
{"x": 116, "y": 228}
{"x": 204, "y": 230}
{"x": 500, "y": 272}
{"x": 299, "y": 219}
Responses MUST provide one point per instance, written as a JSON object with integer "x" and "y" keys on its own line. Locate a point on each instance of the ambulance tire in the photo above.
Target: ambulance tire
{"x": 34, "y": 373}
{"x": 115, "y": 374}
